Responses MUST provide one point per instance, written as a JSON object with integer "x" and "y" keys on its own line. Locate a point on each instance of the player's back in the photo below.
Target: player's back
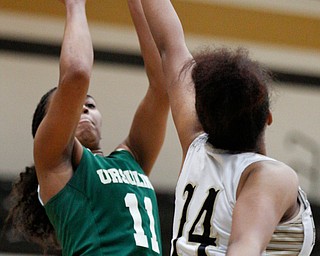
{"x": 206, "y": 196}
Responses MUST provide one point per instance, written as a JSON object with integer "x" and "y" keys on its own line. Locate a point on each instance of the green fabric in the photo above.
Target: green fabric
{"x": 95, "y": 213}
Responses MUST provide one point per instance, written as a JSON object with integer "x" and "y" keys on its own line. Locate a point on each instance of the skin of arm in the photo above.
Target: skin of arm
{"x": 266, "y": 195}
{"x": 148, "y": 127}
{"x": 168, "y": 34}
{"x": 55, "y": 146}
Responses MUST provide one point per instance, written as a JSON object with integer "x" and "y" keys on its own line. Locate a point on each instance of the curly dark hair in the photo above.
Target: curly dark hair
{"x": 26, "y": 215}
{"x": 232, "y": 98}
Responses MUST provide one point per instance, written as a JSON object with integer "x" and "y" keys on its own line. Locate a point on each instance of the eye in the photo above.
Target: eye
{"x": 90, "y": 105}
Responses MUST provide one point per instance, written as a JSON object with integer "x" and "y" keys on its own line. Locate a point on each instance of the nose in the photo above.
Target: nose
{"x": 85, "y": 109}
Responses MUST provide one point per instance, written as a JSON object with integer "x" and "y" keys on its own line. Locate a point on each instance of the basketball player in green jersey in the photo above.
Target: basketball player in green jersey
{"x": 97, "y": 205}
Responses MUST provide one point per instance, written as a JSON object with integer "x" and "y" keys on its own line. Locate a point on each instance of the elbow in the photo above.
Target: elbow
{"x": 77, "y": 75}
{"x": 81, "y": 73}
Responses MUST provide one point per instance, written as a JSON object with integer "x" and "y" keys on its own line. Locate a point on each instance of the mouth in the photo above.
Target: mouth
{"x": 85, "y": 120}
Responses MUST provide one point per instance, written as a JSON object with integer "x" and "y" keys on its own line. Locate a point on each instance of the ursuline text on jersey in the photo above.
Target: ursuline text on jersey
{"x": 114, "y": 175}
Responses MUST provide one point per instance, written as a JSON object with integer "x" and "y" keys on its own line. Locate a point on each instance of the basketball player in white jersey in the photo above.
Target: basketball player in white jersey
{"x": 231, "y": 199}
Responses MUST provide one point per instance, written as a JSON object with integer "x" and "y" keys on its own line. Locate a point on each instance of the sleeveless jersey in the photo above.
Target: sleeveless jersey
{"x": 205, "y": 198}
{"x": 108, "y": 207}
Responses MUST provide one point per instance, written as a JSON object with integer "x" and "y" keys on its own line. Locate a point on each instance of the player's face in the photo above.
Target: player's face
{"x": 88, "y": 131}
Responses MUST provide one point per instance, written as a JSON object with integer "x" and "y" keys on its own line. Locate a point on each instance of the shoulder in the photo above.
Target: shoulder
{"x": 270, "y": 172}
{"x": 273, "y": 168}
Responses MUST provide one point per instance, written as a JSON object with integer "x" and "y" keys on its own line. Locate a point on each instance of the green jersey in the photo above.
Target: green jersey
{"x": 109, "y": 207}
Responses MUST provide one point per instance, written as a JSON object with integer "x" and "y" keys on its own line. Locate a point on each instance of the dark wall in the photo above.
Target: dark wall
{"x": 166, "y": 205}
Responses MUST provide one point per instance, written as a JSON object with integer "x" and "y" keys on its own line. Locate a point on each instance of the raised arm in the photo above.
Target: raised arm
{"x": 54, "y": 143}
{"x": 168, "y": 34}
{"x": 148, "y": 128}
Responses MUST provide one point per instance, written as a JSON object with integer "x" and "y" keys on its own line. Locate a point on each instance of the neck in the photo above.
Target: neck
{"x": 262, "y": 146}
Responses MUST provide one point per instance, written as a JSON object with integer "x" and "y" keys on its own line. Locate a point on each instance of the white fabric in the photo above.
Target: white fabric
{"x": 39, "y": 197}
{"x": 206, "y": 169}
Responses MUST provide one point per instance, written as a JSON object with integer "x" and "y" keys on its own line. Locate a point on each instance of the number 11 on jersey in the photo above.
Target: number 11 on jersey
{"x": 139, "y": 235}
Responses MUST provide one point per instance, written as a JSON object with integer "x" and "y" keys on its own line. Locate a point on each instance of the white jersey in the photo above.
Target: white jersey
{"x": 205, "y": 198}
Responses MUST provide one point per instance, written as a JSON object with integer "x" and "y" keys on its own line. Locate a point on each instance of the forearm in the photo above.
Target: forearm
{"x": 164, "y": 24}
{"x": 76, "y": 57}
{"x": 149, "y": 50}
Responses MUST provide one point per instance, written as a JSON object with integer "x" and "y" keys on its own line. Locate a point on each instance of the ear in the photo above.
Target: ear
{"x": 269, "y": 118}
